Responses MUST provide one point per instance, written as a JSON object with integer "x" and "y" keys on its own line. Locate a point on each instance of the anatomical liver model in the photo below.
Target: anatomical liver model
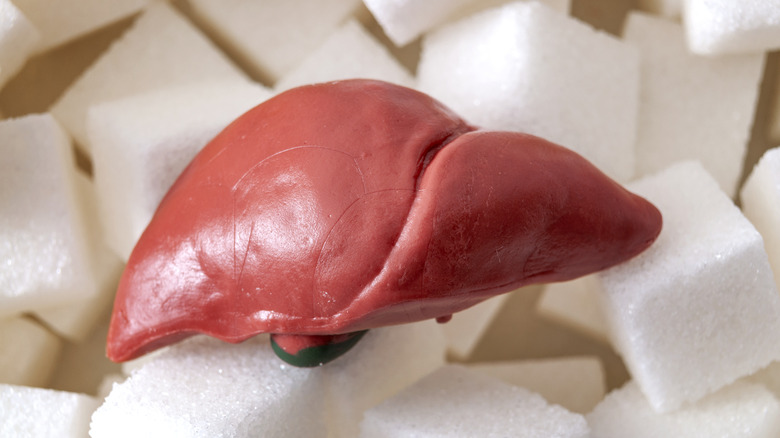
{"x": 335, "y": 208}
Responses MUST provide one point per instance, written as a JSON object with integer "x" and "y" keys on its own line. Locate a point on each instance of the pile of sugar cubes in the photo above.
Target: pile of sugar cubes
{"x": 104, "y": 102}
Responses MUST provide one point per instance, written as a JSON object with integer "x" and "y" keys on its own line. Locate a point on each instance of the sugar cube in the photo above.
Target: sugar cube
{"x": 19, "y": 38}
{"x": 680, "y": 117}
{"x": 717, "y": 27}
{"x": 206, "y": 388}
{"x": 406, "y": 20}
{"x": 454, "y": 401}
{"x": 699, "y": 309}
{"x": 760, "y": 197}
{"x": 383, "y": 363}
{"x": 272, "y": 37}
{"x": 141, "y": 143}
{"x": 349, "y": 52}
{"x": 575, "y": 304}
{"x": 76, "y": 320}
{"x": 65, "y": 20}
{"x": 37, "y": 412}
{"x": 576, "y": 383}
{"x": 162, "y": 48}
{"x": 526, "y": 67}
{"x": 28, "y": 352}
{"x": 44, "y": 241}
{"x": 740, "y": 410}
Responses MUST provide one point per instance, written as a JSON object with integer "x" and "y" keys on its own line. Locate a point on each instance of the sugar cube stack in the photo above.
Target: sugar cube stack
{"x": 526, "y": 67}
{"x": 760, "y": 198}
{"x": 699, "y": 309}
{"x": 65, "y": 20}
{"x": 680, "y": 115}
{"x": 717, "y": 27}
{"x": 576, "y": 383}
{"x": 162, "y": 48}
{"x": 28, "y": 352}
{"x": 349, "y": 52}
{"x": 44, "y": 240}
{"x": 37, "y": 412}
{"x": 19, "y": 39}
{"x": 206, "y": 388}
{"x": 695, "y": 319}
{"x": 141, "y": 143}
{"x": 272, "y": 37}
{"x": 742, "y": 410}
{"x": 454, "y": 401}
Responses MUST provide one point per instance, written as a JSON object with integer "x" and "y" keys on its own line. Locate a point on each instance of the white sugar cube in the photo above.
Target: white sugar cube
{"x": 76, "y": 320}
{"x": 666, "y": 8}
{"x": 161, "y": 49}
{"x": 680, "y": 116}
{"x": 44, "y": 241}
{"x": 739, "y": 410}
{"x": 28, "y": 352}
{"x": 207, "y": 388}
{"x": 36, "y": 412}
{"x": 455, "y": 401}
{"x": 273, "y": 36}
{"x": 761, "y": 204}
{"x": 717, "y": 27}
{"x": 404, "y": 21}
{"x": 350, "y": 52}
{"x": 575, "y": 304}
{"x": 140, "y": 145}
{"x": 65, "y": 20}
{"x": 385, "y": 361}
{"x": 18, "y": 40}
{"x": 698, "y": 309}
{"x": 466, "y": 327}
{"x": 576, "y": 383}
{"x": 526, "y": 67}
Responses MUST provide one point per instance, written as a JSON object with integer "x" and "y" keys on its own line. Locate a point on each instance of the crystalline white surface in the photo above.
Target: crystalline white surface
{"x": 526, "y": 67}
{"x": 740, "y": 410}
{"x": 36, "y": 412}
{"x": 160, "y": 49}
{"x": 383, "y": 363}
{"x": 680, "y": 115}
{"x": 273, "y": 36}
{"x": 141, "y": 143}
{"x": 699, "y": 309}
{"x": 44, "y": 243}
{"x": 64, "y": 20}
{"x": 454, "y": 401}
{"x": 576, "y": 383}
{"x": 206, "y": 388}
{"x": 349, "y": 52}
{"x": 760, "y": 197}
{"x": 718, "y": 27}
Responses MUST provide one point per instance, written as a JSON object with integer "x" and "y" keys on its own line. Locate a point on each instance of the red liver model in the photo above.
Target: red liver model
{"x": 335, "y": 208}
